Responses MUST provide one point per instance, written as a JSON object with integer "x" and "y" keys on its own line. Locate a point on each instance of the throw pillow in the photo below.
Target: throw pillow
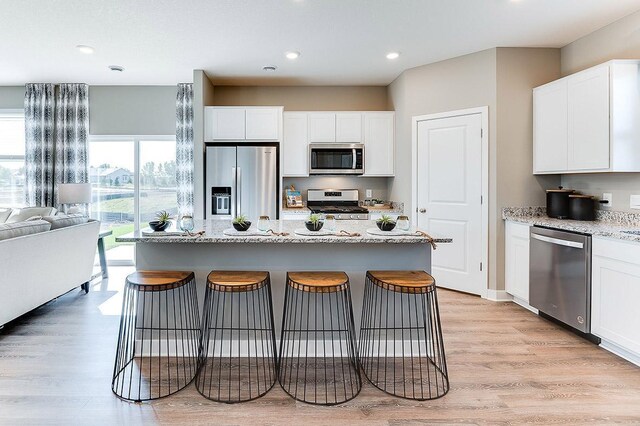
{"x": 25, "y": 213}
{"x": 4, "y": 215}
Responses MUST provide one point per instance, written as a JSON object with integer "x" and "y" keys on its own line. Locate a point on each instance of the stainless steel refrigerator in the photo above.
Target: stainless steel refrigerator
{"x": 241, "y": 180}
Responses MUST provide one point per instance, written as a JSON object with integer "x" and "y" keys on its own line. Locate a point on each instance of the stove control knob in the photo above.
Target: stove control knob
{"x": 351, "y": 216}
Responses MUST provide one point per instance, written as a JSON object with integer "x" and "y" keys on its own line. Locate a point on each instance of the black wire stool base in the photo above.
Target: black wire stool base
{"x": 318, "y": 359}
{"x": 157, "y": 353}
{"x": 238, "y": 349}
{"x": 401, "y": 348}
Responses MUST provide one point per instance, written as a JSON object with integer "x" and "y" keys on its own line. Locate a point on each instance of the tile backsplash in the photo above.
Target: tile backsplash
{"x": 378, "y": 185}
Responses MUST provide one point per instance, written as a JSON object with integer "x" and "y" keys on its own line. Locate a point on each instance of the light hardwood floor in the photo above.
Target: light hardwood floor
{"x": 506, "y": 366}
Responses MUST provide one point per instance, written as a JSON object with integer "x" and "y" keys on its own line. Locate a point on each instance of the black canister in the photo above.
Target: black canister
{"x": 582, "y": 207}
{"x": 558, "y": 202}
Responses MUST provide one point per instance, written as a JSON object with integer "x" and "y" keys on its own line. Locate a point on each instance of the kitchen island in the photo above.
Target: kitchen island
{"x": 281, "y": 253}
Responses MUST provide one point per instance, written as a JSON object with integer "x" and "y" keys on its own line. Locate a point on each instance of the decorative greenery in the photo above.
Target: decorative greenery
{"x": 315, "y": 219}
{"x": 240, "y": 220}
{"x": 163, "y": 217}
{"x": 386, "y": 219}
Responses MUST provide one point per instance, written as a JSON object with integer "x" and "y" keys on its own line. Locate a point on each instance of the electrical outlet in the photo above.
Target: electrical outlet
{"x": 369, "y": 193}
{"x": 607, "y": 196}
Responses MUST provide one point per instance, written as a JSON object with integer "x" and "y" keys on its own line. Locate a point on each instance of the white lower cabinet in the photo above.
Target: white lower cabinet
{"x": 615, "y": 296}
{"x": 517, "y": 262}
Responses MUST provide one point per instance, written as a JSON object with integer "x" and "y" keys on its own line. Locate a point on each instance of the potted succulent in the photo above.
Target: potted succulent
{"x": 240, "y": 223}
{"x": 162, "y": 222}
{"x": 386, "y": 223}
{"x": 314, "y": 223}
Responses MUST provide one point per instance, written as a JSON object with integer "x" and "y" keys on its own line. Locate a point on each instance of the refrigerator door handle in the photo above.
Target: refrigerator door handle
{"x": 239, "y": 184}
{"x": 234, "y": 196}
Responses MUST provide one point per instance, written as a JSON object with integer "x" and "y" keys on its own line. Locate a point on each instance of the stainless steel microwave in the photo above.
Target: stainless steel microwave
{"x": 336, "y": 159}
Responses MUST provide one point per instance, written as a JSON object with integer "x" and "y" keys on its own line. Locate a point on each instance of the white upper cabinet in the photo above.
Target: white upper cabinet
{"x": 322, "y": 127}
{"x": 550, "y": 129}
{"x": 349, "y": 127}
{"x": 588, "y": 122}
{"x": 379, "y": 144}
{"x": 224, "y": 123}
{"x": 588, "y": 118}
{"x": 242, "y": 123}
{"x": 295, "y": 157}
{"x": 262, "y": 123}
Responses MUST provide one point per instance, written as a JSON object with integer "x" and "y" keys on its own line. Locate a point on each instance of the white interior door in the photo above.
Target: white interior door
{"x": 449, "y": 197}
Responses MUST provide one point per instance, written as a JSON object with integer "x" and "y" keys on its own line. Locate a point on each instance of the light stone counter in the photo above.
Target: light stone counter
{"x": 214, "y": 234}
{"x": 610, "y": 224}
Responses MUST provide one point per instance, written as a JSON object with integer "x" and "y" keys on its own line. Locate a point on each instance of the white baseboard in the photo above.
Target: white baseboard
{"x": 498, "y": 296}
{"x": 621, "y": 352}
{"x": 524, "y": 304}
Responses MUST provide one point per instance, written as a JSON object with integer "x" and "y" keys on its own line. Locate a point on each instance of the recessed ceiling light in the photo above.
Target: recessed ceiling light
{"x": 292, "y": 55}
{"x": 87, "y": 50}
{"x": 116, "y": 68}
{"x": 393, "y": 55}
{"x": 269, "y": 68}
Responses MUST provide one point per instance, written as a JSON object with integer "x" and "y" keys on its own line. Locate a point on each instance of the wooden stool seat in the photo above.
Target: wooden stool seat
{"x": 403, "y": 281}
{"x": 159, "y": 280}
{"x": 318, "y": 281}
{"x": 237, "y": 280}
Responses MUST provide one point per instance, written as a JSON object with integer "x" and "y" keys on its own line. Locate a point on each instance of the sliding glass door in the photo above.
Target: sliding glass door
{"x": 132, "y": 179}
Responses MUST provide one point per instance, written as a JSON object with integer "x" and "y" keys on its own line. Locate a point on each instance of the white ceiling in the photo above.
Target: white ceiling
{"x": 342, "y": 41}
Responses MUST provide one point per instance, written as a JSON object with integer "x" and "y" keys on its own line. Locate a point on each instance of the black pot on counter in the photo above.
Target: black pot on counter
{"x": 558, "y": 202}
{"x": 582, "y": 207}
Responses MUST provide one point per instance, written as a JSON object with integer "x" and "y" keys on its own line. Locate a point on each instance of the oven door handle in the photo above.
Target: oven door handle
{"x": 557, "y": 241}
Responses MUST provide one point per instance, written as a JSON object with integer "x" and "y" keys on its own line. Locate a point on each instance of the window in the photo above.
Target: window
{"x": 12, "y": 145}
{"x": 132, "y": 178}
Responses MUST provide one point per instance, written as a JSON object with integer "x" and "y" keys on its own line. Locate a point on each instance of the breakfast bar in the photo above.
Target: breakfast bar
{"x": 354, "y": 252}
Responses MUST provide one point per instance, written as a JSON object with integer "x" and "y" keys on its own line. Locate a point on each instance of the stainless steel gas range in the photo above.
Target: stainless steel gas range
{"x": 342, "y": 203}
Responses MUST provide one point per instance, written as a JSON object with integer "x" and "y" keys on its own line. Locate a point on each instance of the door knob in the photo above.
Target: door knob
{"x": 423, "y": 210}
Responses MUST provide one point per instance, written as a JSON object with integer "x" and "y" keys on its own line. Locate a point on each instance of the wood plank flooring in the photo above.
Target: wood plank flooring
{"x": 506, "y": 366}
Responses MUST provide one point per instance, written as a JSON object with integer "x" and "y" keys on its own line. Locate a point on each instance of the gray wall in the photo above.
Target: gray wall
{"x": 619, "y": 40}
{"x": 132, "y": 110}
{"x": 11, "y": 97}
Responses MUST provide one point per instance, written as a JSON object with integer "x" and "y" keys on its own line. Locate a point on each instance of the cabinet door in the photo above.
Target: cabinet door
{"x": 262, "y": 123}
{"x": 295, "y": 155}
{"x": 517, "y": 260}
{"x": 550, "y": 128}
{"x": 379, "y": 143}
{"x": 322, "y": 127}
{"x": 615, "y": 293}
{"x": 224, "y": 124}
{"x": 588, "y": 112}
{"x": 349, "y": 127}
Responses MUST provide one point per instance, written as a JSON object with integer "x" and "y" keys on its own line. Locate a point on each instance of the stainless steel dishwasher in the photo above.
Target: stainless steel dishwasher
{"x": 560, "y": 276}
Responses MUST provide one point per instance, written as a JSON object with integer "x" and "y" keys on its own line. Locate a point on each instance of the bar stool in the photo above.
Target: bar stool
{"x": 157, "y": 353}
{"x": 318, "y": 359}
{"x": 401, "y": 347}
{"x": 238, "y": 349}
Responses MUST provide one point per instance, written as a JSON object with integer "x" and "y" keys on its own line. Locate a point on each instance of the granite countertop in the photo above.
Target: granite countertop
{"x": 607, "y": 224}
{"x": 214, "y": 234}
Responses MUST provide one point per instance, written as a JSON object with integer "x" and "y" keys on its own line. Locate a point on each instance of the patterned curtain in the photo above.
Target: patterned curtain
{"x": 39, "y": 152}
{"x": 184, "y": 148}
{"x": 72, "y": 130}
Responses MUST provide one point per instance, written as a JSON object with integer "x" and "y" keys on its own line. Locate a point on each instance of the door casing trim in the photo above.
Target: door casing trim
{"x": 484, "y": 140}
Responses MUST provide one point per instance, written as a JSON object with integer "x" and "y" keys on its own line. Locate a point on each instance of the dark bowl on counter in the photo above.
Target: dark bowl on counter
{"x": 158, "y": 226}
{"x": 314, "y": 226}
{"x": 242, "y": 226}
{"x": 385, "y": 226}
